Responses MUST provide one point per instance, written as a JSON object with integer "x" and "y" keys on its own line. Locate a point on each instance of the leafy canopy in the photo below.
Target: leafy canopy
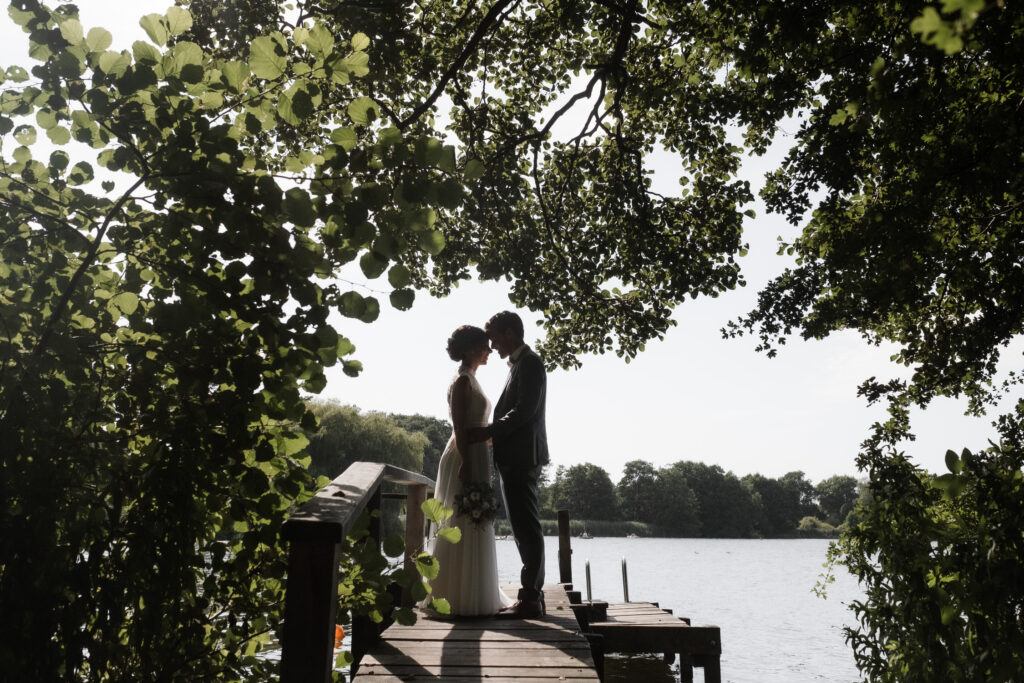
{"x": 165, "y": 288}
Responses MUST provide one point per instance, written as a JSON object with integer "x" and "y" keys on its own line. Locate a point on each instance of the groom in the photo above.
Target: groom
{"x": 520, "y": 451}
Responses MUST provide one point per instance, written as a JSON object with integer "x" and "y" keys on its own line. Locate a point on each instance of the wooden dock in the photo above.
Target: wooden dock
{"x": 645, "y": 628}
{"x": 550, "y": 648}
{"x": 569, "y": 643}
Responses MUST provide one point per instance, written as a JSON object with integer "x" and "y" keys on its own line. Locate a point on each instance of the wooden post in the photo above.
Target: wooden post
{"x": 597, "y": 652}
{"x": 564, "y": 548}
{"x": 310, "y": 612}
{"x": 712, "y": 669}
{"x": 366, "y": 633}
{"x": 685, "y": 668}
{"x": 415, "y": 495}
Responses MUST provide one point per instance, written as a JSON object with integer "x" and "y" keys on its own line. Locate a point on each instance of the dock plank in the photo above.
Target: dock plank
{"x": 549, "y": 648}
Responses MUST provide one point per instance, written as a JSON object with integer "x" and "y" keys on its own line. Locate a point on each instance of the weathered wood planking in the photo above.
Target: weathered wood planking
{"x": 549, "y": 648}
{"x": 643, "y": 627}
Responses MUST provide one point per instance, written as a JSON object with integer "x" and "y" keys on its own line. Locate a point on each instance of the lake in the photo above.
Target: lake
{"x": 759, "y": 592}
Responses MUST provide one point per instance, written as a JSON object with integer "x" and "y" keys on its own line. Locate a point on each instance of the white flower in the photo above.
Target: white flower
{"x": 474, "y": 496}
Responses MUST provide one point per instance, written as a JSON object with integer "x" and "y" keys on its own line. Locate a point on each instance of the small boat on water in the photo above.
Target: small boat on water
{"x": 631, "y": 535}
{"x": 585, "y": 534}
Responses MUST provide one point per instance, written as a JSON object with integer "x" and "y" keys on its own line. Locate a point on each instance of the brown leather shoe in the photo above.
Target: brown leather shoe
{"x": 522, "y": 609}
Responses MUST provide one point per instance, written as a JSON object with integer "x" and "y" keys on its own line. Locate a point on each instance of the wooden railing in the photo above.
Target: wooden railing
{"x": 314, "y": 534}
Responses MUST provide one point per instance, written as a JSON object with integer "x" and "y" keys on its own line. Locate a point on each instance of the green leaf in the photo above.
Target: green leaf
{"x": 372, "y": 265}
{"x": 399, "y": 276}
{"x": 393, "y": 545}
{"x": 363, "y": 110}
{"x": 187, "y": 60}
{"x": 21, "y": 17}
{"x": 145, "y": 53}
{"x": 71, "y": 30}
{"x": 431, "y": 242}
{"x": 360, "y": 41}
{"x": 234, "y": 74}
{"x": 25, "y": 134}
{"x": 352, "y": 305}
{"x": 178, "y": 20}
{"x": 403, "y": 299}
{"x": 17, "y": 74}
{"x": 80, "y": 173}
{"x": 98, "y": 39}
{"x": 59, "y": 135}
{"x": 434, "y": 511}
{"x": 345, "y": 346}
{"x": 452, "y": 534}
{"x": 404, "y": 616}
{"x": 320, "y": 40}
{"x": 356, "y": 64}
{"x": 441, "y": 605}
{"x": 124, "y": 303}
{"x": 267, "y": 58}
{"x": 372, "y": 310}
{"x": 427, "y": 566}
{"x": 155, "y": 27}
{"x": 345, "y": 137}
{"x": 390, "y": 136}
{"x": 298, "y": 207}
{"x": 473, "y": 170}
{"x": 419, "y": 590}
{"x": 952, "y": 462}
{"x": 115, "y": 63}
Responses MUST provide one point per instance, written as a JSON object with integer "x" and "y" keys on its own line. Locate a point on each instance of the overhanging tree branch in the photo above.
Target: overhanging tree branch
{"x": 490, "y": 20}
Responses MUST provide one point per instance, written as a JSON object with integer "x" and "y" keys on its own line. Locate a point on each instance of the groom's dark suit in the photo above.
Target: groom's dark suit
{"x": 520, "y": 450}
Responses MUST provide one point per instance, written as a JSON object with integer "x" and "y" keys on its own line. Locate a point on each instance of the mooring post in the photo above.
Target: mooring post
{"x": 625, "y": 582}
{"x": 564, "y": 548}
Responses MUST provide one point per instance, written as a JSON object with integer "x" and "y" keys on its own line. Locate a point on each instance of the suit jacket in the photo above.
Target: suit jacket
{"x": 519, "y": 431}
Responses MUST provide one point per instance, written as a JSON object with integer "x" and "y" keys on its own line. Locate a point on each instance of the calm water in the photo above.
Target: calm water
{"x": 774, "y": 629}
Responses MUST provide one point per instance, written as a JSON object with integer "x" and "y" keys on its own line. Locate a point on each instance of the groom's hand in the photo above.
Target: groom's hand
{"x": 477, "y": 434}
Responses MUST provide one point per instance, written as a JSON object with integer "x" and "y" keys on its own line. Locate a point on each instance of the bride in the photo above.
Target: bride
{"x": 468, "y": 570}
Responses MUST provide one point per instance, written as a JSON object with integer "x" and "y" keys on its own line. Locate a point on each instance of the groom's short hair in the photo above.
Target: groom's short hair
{"x": 506, "y": 320}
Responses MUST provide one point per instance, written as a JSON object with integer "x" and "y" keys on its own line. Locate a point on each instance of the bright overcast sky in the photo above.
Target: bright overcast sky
{"x": 693, "y": 396}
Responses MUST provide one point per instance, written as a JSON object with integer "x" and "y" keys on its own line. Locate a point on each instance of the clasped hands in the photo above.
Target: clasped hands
{"x": 477, "y": 434}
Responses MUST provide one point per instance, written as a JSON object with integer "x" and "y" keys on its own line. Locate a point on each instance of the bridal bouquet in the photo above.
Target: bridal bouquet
{"x": 477, "y": 502}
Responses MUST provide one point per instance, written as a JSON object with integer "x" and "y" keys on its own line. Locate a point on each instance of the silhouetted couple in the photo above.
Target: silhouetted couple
{"x": 468, "y": 576}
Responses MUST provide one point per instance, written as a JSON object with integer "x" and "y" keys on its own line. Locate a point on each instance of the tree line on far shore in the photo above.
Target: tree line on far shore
{"x": 684, "y": 499}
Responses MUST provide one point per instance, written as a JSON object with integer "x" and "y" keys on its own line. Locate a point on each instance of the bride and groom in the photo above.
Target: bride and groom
{"x": 468, "y": 572}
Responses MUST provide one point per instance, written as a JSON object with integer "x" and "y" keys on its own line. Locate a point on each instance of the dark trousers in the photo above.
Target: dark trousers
{"x": 519, "y": 491}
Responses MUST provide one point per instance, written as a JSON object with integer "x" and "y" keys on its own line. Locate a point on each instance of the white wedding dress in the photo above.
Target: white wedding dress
{"x": 468, "y": 570}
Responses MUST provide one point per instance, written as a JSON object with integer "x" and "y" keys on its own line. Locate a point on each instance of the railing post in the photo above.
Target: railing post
{"x": 414, "y": 520}
{"x": 564, "y": 548}
{"x": 314, "y": 533}
{"x": 310, "y": 612}
{"x": 365, "y": 633}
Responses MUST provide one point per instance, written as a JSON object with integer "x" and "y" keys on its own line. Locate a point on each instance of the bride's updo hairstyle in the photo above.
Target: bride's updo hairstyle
{"x": 465, "y": 339}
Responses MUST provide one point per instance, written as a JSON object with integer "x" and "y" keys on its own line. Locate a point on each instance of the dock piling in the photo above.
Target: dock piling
{"x": 625, "y": 582}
